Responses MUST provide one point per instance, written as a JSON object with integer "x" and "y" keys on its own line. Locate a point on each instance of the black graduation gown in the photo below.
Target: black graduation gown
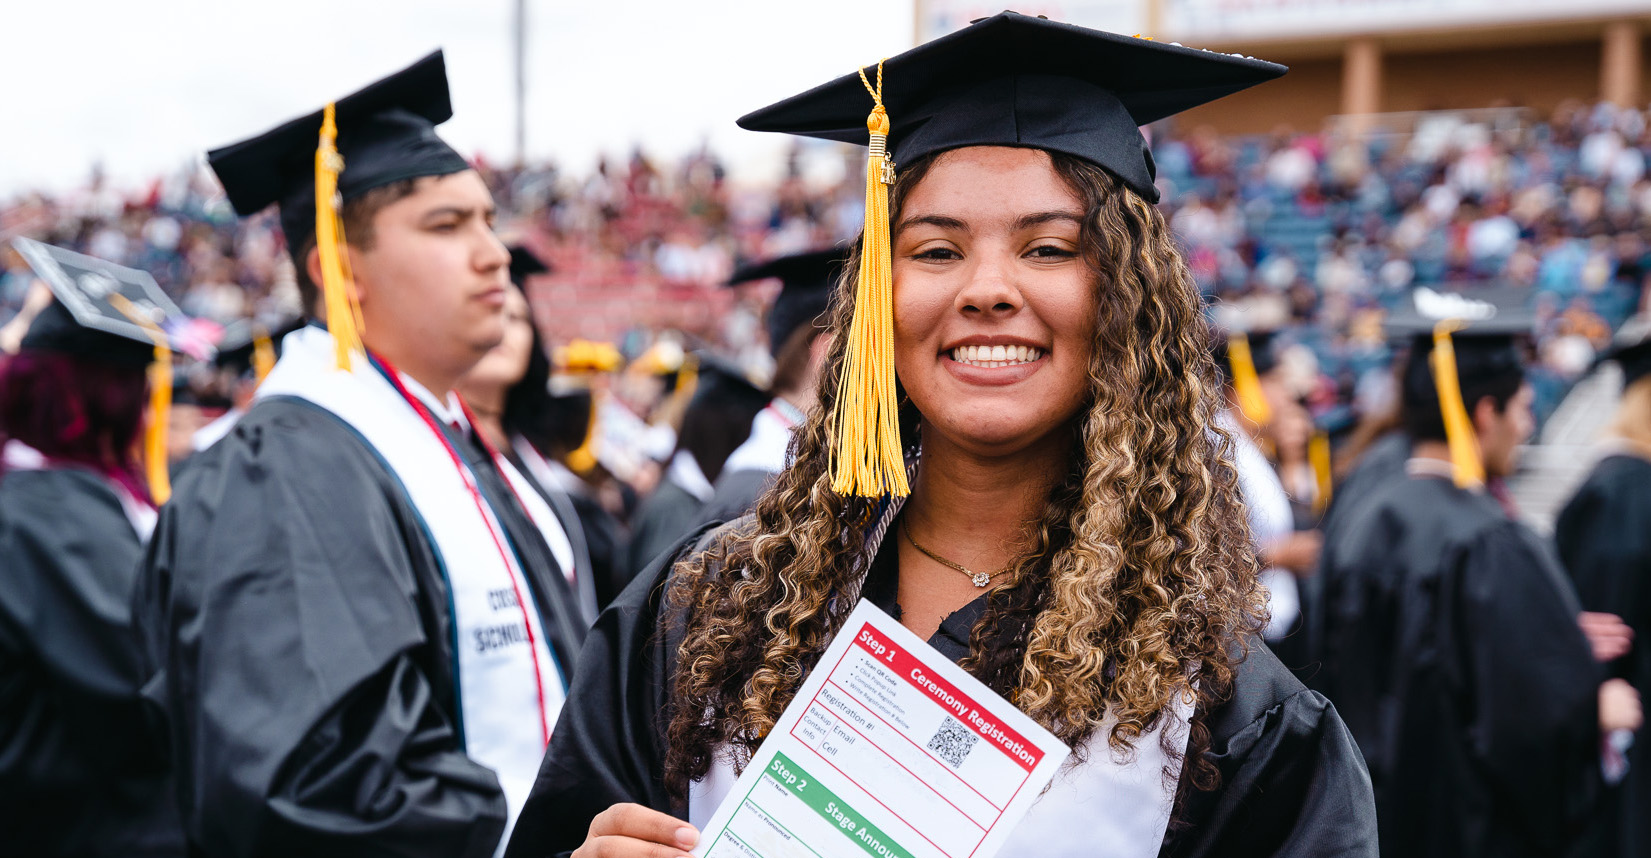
{"x": 1292, "y": 781}
{"x": 1453, "y": 651}
{"x": 668, "y": 514}
{"x": 1383, "y": 460}
{"x": 736, "y": 493}
{"x": 1604, "y": 538}
{"x": 297, "y": 620}
{"x": 81, "y": 772}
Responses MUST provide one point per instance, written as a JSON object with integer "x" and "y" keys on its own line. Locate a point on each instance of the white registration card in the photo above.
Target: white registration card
{"x": 889, "y": 751}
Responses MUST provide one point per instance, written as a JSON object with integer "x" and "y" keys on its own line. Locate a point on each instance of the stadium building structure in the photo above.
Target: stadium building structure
{"x": 1372, "y": 61}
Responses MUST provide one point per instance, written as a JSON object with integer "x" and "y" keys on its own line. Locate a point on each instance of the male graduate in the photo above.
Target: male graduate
{"x": 357, "y": 627}
{"x": 799, "y": 349}
{"x": 1452, "y": 646}
{"x": 1604, "y": 538}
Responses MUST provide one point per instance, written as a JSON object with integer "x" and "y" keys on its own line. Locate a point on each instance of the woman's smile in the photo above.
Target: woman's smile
{"x": 993, "y": 360}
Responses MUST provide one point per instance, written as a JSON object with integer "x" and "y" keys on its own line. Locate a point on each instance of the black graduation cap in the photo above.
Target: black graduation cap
{"x": 1263, "y": 355}
{"x": 1014, "y": 80}
{"x": 718, "y": 417}
{"x": 102, "y": 310}
{"x": 243, "y": 339}
{"x": 386, "y": 134}
{"x": 1482, "y": 313}
{"x": 1483, "y": 329}
{"x": 807, "y": 282}
{"x": 1631, "y": 349}
{"x": 525, "y": 263}
{"x": 720, "y": 379}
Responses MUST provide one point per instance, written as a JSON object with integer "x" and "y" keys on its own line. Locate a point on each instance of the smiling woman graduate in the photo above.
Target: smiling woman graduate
{"x": 1015, "y": 455}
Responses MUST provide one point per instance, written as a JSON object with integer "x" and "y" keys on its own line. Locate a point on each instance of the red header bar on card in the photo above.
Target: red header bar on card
{"x": 953, "y": 701}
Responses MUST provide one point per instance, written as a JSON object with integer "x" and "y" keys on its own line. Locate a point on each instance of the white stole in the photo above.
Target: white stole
{"x": 499, "y": 694}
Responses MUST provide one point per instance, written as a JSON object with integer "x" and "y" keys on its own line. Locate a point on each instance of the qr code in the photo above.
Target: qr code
{"x": 953, "y": 741}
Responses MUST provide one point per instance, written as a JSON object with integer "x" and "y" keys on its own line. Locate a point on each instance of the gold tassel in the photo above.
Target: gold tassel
{"x": 867, "y": 460}
{"x": 155, "y": 461}
{"x": 337, "y": 285}
{"x": 263, "y": 354}
{"x": 1459, "y": 434}
{"x": 1318, "y": 453}
{"x": 583, "y": 460}
{"x": 1246, "y": 383}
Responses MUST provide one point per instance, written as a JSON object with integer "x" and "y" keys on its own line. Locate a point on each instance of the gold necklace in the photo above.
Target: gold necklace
{"x": 980, "y": 579}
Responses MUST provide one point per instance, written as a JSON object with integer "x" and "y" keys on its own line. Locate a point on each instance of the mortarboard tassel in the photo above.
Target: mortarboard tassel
{"x": 583, "y": 460}
{"x": 156, "y": 465}
{"x": 1459, "y": 434}
{"x": 337, "y": 286}
{"x": 263, "y": 354}
{"x": 1318, "y": 453}
{"x": 867, "y": 460}
{"x": 1246, "y": 383}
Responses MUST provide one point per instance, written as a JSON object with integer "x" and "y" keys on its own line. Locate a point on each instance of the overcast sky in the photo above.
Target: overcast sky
{"x": 145, "y": 85}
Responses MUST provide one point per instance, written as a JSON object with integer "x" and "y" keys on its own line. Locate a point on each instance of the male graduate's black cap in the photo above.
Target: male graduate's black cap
{"x": 806, "y": 283}
{"x": 1488, "y": 325}
{"x": 100, "y": 310}
{"x": 1015, "y": 80}
{"x": 386, "y": 134}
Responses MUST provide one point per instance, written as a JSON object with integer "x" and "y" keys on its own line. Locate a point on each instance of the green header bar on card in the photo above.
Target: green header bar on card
{"x": 799, "y": 783}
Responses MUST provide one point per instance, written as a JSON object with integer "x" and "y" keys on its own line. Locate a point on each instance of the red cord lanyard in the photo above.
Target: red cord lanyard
{"x": 785, "y": 419}
{"x": 389, "y": 372}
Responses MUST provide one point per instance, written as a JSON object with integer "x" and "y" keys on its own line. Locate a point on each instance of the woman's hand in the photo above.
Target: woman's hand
{"x": 1619, "y": 706}
{"x": 634, "y": 831}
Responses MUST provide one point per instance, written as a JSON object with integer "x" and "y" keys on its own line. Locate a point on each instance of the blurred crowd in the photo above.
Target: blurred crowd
{"x": 1310, "y": 235}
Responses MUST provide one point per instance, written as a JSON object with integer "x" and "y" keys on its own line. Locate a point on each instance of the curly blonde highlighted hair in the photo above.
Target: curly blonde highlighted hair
{"x": 1139, "y": 583}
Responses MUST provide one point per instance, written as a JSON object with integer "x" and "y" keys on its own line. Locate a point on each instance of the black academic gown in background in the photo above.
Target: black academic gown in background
{"x": 736, "y": 494}
{"x": 1382, "y": 460}
{"x": 668, "y": 514}
{"x": 297, "y": 621}
{"x": 1292, "y": 781}
{"x": 1604, "y": 538}
{"x": 1453, "y": 651}
{"x": 81, "y": 770}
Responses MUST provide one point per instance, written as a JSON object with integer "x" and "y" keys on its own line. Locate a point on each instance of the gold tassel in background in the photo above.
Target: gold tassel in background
{"x": 337, "y": 286}
{"x": 263, "y": 354}
{"x": 867, "y": 460}
{"x": 155, "y": 461}
{"x": 583, "y": 459}
{"x": 1246, "y": 383}
{"x": 1318, "y": 454}
{"x": 1459, "y": 434}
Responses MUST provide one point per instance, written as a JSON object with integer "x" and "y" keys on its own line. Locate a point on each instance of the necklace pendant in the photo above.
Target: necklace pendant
{"x": 981, "y": 579}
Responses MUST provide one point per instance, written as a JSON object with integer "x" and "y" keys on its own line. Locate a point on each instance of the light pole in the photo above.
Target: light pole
{"x": 521, "y": 84}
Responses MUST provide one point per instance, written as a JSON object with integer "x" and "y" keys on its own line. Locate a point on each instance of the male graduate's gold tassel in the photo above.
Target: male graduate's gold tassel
{"x": 263, "y": 354}
{"x": 155, "y": 460}
{"x": 1246, "y": 383}
{"x": 867, "y": 459}
{"x": 337, "y": 286}
{"x": 1459, "y": 434}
